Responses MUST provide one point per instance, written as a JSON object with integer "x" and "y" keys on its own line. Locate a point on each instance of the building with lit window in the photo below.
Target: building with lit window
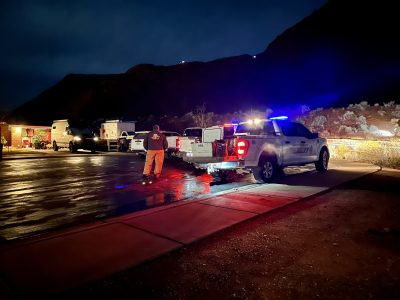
{"x": 25, "y": 136}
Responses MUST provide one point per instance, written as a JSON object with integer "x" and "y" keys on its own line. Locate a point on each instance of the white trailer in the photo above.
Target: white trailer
{"x": 112, "y": 129}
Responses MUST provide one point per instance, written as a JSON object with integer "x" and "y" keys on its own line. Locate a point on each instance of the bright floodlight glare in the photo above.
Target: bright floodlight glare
{"x": 254, "y": 56}
{"x": 250, "y": 122}
{"x": 77, "y": 138}
{"x": 18, "y": 129}
{"x": 257, "y": 121}
{"x": 96, "y": 139}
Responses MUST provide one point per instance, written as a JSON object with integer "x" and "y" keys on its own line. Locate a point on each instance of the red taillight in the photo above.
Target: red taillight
{"x": 242, "y": 147}
{"x": 178, "y": 143}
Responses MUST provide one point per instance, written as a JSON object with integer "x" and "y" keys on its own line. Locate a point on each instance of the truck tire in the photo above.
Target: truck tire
{"x": 72, "y": 148}
{"x": 55, "y": 147}
{"x": 268, "y": 168}
{"x": 322, "y": 164}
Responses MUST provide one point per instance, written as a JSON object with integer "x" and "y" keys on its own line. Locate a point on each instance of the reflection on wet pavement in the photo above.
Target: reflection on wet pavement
{"x": 38, "y": 195}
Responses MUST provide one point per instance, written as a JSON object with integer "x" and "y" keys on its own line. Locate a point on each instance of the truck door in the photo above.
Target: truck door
{"x": 295, "y": 146}
{"x": 309, "y": 143}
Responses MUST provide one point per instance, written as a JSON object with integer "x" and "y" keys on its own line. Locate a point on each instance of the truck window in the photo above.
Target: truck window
{"x": 288, "y": 128}
{"x": 171, "y": 133}
{"x": 265, "y": 128}
{"x": 294, "y": 129}
{"x": 195, "y": 132}
{"x": 84, "y": 131}
{"x": 303, "y": 131}
{"x": 140, "y": 136}
{"x": 229, "y": 131}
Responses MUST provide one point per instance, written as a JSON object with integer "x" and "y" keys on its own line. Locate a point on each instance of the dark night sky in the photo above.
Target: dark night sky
{"x": 42, "y": 41}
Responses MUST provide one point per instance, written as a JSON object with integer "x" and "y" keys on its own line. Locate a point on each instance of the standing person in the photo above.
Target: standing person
{"x": 155, "y": 143}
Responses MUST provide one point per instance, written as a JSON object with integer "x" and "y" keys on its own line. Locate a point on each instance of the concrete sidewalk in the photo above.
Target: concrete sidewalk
{"x": 52, "y": 263}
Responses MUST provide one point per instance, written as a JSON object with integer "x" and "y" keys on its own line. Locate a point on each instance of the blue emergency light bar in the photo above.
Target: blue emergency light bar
{"x": 279, "y": 118}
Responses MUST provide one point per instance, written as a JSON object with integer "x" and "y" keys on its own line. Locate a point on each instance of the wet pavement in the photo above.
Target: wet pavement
{"x": 48, "y": 264}
{"x": 40, "y": 195}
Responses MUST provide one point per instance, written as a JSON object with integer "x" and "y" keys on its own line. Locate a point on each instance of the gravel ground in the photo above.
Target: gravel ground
{"x": 344, "y": 244}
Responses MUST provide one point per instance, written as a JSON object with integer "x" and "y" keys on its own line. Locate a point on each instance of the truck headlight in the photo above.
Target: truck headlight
{"x": 96, "y": 139}
{"x": 77, "y": 138}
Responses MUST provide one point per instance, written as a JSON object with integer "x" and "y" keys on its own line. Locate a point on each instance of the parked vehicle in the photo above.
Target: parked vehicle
{"x": 73, "y": 135}
{"x": 171, "y": 136}
{"x": 136, "y": 144}
{"x": 124, "y": 140}
{"x": 264, "y": 147}
{"x": 113, "y": 129}
{"x": 127, "y": 135}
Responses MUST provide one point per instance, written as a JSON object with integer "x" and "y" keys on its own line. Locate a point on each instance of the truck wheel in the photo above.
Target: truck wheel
{"x": 322, "y": 164}
{"x": 72, "y": 148}
{"x": 55, "y": 147}
{"x": 268, "y": 169}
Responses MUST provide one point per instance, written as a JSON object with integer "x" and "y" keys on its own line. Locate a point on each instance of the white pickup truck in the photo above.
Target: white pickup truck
{"x": 264, "y": 147}
{"x": 124, "y": 140}
{"x": 136, "y": 144}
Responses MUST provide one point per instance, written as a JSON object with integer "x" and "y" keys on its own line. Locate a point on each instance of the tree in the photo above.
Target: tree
{"x": 201, "y": 118}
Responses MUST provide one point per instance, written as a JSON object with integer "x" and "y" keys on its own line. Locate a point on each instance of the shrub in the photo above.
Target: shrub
{"x": 341, "y": 151}
{"x": 380, "y": 154}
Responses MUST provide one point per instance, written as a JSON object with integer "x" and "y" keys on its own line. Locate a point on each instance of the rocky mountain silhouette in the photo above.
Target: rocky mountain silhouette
{"x": 347, "y": 51}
